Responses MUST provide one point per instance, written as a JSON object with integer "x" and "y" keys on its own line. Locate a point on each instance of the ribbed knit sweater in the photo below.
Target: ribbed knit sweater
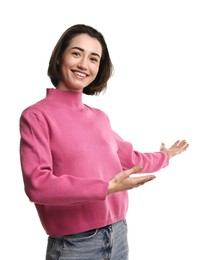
{"x": 68, "y": 153}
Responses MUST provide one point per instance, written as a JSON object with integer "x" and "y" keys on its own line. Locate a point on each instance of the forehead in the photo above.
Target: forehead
{"x": 87, "y": 43}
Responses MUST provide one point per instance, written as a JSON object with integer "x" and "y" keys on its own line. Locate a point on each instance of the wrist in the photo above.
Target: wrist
{"x": 170, "y": 155}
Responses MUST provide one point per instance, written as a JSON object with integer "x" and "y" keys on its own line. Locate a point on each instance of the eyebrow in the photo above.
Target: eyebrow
{"x": 80, "y": 49}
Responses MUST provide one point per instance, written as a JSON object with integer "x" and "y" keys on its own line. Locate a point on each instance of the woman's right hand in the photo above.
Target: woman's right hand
{"x": 122, "y": 181}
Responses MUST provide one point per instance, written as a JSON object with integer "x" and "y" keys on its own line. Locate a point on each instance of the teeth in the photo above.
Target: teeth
{"x": 80, "y": 74}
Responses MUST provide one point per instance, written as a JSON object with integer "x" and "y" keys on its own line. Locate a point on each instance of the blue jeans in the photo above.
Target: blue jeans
{"x": 109, "y": 242}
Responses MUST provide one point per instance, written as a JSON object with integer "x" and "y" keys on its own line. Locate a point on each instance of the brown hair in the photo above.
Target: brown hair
{"x": 105, "y": 70}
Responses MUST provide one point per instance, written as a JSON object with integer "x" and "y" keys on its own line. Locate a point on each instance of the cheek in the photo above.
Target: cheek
{"x": 67, "y": 63}
{"x": 63, "y": 71}
{"x": 96, "y": 70}
{"x": 65, "y": 68}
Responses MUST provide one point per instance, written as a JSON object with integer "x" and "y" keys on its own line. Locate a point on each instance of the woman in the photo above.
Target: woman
{"x": 76, "y": 169}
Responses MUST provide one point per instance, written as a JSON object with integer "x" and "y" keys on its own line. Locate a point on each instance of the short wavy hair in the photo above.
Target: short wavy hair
{"x": 105, "y": 69}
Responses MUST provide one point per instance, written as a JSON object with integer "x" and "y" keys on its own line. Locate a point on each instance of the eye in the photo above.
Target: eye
{"x": 94, "y": 59}
{"x": 76, "y": 54}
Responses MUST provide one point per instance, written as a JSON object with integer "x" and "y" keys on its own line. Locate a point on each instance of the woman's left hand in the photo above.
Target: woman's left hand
{"x": 177, "y": 148}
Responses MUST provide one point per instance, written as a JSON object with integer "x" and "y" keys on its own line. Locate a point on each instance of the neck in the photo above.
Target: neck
{"x": 69, "y": 98}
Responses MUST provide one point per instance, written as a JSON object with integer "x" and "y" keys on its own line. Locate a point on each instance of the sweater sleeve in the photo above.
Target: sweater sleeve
{"x": 151, "y": 162}
{"x": 41, "y": 185}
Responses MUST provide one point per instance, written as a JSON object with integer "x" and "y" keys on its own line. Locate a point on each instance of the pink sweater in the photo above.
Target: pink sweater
{"x": 68, "y": 155}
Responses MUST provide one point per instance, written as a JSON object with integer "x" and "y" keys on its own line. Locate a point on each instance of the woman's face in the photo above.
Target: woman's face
{"x": 80, "y": 63}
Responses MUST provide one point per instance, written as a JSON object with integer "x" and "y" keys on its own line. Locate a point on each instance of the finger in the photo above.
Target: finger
{"x": 134, "y": 169}
{"x": 162, "y": 147}
{"x": 146, "y": 178}
{"x": 180, "y": 143}
{"x": 186, "y": 147}
{"x": 125, "y": 174}
{"x": 176, "y": 143}
{"x": 142, "y": 180}
{"x": 181, "y": 147}
{"x": 183, "y": 144}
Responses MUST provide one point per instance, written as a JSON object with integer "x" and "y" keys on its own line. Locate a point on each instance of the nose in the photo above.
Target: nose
{"x": 82, "y": 64}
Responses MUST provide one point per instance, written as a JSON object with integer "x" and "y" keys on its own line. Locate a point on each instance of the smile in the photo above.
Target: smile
{"x": 80, "y": 74}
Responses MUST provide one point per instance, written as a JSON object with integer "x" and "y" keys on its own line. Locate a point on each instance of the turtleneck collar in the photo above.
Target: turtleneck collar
{"x": 72, "y": 99}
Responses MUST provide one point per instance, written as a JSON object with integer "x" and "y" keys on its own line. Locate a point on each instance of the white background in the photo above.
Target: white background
{"x": 157, "y": 94}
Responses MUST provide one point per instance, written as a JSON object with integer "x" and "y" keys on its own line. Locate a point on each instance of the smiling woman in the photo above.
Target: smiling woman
{"x": 94, "y": 49}
{"x": 76, "y": 168}
{"x": 80, "y": 63}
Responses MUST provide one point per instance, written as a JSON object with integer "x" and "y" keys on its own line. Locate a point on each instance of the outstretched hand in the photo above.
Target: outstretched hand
{"x": 122, "y": 181}
{"x": 177, "y": 148}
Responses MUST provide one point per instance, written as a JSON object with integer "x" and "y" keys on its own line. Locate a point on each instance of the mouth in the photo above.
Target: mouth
{"x": 80, "y": 74}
